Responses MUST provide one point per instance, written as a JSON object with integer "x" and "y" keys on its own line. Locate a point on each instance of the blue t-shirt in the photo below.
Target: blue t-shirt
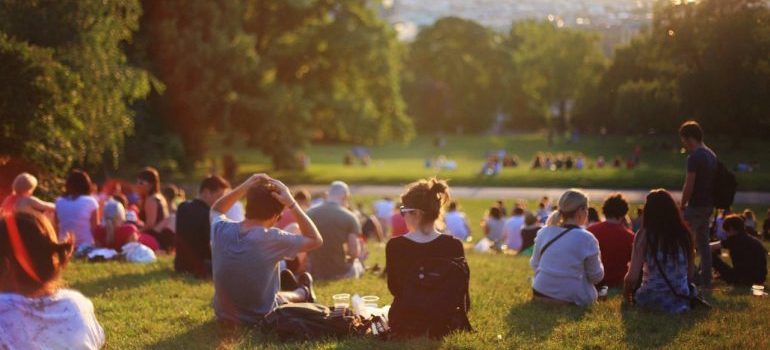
{"x": 245, "y": 268}
{"x": 702, "y": 162}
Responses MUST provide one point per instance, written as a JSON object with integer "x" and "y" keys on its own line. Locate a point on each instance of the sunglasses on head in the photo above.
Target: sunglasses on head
{"x": 405, "y": 210}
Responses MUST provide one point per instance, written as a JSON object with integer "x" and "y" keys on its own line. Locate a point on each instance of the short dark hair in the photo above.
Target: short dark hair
{"x": 691, "y": 129}
{"x": 260, "y": 203}
{"x": 453, "y": 206}
{"x": 152, "y": 177}
{"x": 170, "y": 191}
{"x": 213, "y": 183}
{"x": 78, "y": 184}
{"x": 593, "y": 214}
{"x": 302, "y": 195}
{"x": 518, "y": 210}
{"x": 496, "y": 213}
{"x": 734, "y": 222}
{"x": 615, "y": 206}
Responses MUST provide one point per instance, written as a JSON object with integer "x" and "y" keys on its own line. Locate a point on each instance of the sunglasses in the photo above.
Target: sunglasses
{"x": 404, "y": 210}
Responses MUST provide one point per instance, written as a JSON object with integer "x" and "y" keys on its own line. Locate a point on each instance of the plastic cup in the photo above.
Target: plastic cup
{"x": 758, "y": 290}
{"x": 341, "y": 301}
{"x": 371, "y": 300}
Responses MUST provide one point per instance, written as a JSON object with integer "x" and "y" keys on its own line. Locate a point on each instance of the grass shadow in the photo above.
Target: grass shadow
{"x": 537, "y": 320}
{"x": 653, "y": 328}
{"x": 101, "y": 286}
{"x": 202, "y": 336}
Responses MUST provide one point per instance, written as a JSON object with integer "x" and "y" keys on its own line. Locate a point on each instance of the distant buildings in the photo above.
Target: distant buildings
{"x": 623, "y": 18}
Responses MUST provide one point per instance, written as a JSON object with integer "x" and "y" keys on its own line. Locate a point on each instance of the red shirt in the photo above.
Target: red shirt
{"x": 615, "y": 244}
{"x": 398, "y": 225}
{"x": 121, "y": 237}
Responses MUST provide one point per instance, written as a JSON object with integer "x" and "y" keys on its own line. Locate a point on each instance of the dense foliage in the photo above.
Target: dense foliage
{"x": 67, "y": 84}
{"x": 153, "y": 81}
{"x": 707, "y": 60}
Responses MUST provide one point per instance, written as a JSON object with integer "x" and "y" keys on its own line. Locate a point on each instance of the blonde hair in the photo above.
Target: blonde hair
{"x": 24, "y": 183}
{"x": 569, "y": 203}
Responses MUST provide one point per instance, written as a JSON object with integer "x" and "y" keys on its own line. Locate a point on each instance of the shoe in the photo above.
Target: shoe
{"x": 306, "y": 280}
{"x": 288, "y": 281}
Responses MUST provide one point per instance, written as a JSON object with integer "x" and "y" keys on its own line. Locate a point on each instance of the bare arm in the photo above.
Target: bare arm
{"x": 313, "y": 239}
{"x": 41, "y": 205}
{"x": 689, "y": 184}
{"x": 353, "y": 250}
{"x": 636, "y": 264}
{"x": 94, "y": 220}
{"x": 223, "y": 204}
{"x": 150, "y": 213}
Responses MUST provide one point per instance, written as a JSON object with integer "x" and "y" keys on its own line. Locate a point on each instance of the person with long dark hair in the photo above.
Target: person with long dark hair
{"x": 77, "y": 212}
{"x": 153, "y": 207}
{"x": 662, "y": 261}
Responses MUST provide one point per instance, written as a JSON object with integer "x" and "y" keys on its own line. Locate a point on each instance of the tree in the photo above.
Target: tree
{"x": 454, "y": 70}
{"x": 276, "y": 73}
{"x": 86, "y": 37}
{"x": 703, "y": 60}
{"x": 555, "y": 66}
{"x": 38, "y": 109}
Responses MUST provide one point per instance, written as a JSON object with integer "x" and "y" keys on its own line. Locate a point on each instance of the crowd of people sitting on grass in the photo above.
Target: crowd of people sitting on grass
{"x": 265, "y": 256}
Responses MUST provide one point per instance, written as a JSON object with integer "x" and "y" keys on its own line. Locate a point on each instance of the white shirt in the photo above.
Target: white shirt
{"x": 456, "y": 225}
{"x": 64, "y": 320}
{"x": 383, "y": 209}
{"x": 74, "y": 216}
{"x": 512, "y": 231}
{"x": 570, "y": 267}
{"x": 236, "y": 212}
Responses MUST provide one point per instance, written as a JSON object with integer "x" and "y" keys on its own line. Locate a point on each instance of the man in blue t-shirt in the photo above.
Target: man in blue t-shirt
{"x": 698, "y": 193}
{"x": 245, "y": 255}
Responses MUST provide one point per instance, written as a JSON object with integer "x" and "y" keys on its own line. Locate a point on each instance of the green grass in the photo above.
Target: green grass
{"x": 149, "y": 306}
{"x": 403, "y": 163}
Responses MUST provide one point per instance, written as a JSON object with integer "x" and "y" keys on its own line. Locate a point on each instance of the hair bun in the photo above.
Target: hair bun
{"x": 437, "y": 186}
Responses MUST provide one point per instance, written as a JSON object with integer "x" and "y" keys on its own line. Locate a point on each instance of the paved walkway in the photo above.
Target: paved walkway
{"x": 636, "y": 196}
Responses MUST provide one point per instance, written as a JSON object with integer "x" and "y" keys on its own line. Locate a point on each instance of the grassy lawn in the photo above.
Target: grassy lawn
{"x": 149, "y": 306}
{"x": 403, "y": 163}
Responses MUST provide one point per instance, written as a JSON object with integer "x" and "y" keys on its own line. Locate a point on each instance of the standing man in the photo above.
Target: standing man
{"x": 698, "y": 193}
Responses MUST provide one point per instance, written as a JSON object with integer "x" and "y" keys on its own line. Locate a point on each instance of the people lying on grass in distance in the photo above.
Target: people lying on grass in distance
{"x": 193, "y": 229}
{"x": 566, "y": 258}
{"x": 77, "y": 212}
{"x": 748, "y": 255}
{"x": 21, "y": 199}
{"x": 662, "y": 261}
{"x": 427, "y": 273}
{"x": 456, "y": 222}
{"x": 246, "y": 255}
{"x": 616, "y": 241}
{"x": 340, "y": 256}
{"x": 35, "y": 312}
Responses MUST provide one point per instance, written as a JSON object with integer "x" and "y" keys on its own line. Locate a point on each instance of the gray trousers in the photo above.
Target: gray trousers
{"x": 699, "y": 219}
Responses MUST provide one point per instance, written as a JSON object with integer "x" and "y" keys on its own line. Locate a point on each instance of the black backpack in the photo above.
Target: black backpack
{"x": 725, "y": 186}
{"x": 309, "y": 321}
{"x": 436, "y": 296}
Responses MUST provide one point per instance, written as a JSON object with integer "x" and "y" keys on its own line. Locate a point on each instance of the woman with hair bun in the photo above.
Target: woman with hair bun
{"x": 417, "y": 309}
{"x": 35, "y": 313}
{"x": 566, "y": 257}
